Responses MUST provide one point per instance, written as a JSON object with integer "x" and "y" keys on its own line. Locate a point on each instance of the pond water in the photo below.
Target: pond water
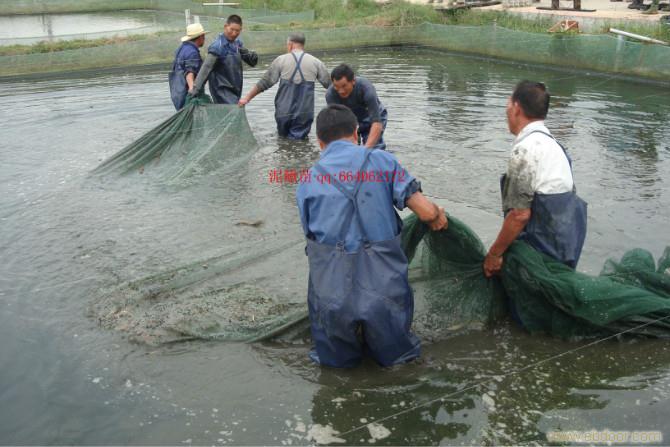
{"x": 29, "y": 29}
{"x": 65, "y": 239}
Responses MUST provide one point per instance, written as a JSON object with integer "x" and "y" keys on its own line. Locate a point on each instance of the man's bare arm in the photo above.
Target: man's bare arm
{"x": 514, "y": 223}
{"x": 427, "y": 211}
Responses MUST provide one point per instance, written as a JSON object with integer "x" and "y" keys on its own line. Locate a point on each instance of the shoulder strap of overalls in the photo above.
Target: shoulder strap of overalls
{"x": 350, "y": 195}
{"x": 297, "y": 67}
{"x": 565, "y": 152}
{"x": 557, "y": 142}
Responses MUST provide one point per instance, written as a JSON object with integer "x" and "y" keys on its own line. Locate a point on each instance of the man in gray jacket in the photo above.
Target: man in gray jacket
{"x": 296, "y": 72}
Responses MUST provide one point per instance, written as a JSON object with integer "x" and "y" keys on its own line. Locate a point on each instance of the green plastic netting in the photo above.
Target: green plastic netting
{"x": 238, "y": 296}
{"x": 223, "y": 298}
{"x": 198, "y": 139}
{"x": 601, "y": 53}
{"x": 209, "y": 300}
{"x": 552, "y": 298}
{"x": 234, "y": 296}
{"x": 446, "y": 274}
{"x": 163, "y": 21}
{"x": 548, "y": 296}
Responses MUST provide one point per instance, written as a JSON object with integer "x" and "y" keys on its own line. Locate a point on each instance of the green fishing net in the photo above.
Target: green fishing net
{"x": 446, "y": 273}
{"x": 198, "y": 139}
{"x": 542, "y": 293}
{"x": 251, "y": 293}
{"x": 234, "y": 297}
{"x": 231, "y": 297}
{"x": 550, "y": 297}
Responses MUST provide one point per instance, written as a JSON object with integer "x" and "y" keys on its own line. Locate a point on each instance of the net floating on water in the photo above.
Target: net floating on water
{"x": 199, "y": 139}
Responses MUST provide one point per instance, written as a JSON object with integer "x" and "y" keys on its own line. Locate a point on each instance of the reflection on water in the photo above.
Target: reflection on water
{"x": 65, "y": 241}
{"x": 479, "y": 391}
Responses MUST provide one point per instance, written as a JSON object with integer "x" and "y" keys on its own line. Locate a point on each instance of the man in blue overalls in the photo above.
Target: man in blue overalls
{"x": 539, "y": 197}
{"x": 296, "y": 73}
{"x": 186, "y": 65}
{"x": 223, "y": 65}
{"x": 359, "y": 296}
{"x": 360, "y": 96}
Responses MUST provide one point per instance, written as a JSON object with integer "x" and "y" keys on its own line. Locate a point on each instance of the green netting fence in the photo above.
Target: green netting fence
{"x": 603, "y": 53}
{"x": 160, "y": 17}
{"x": 161, "y": 49}
{"x": 583, "y": 52}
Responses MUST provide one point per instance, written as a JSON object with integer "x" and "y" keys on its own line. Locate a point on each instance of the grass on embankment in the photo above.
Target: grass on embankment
{"x": 62, "y": 45}
{"x": 332, "y": 13}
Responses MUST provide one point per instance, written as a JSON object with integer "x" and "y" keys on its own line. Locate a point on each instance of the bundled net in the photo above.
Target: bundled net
{"x": 446, "y": 273}
{"x": 632, "y": 295}
{"x": 552, "y": 298}
{"x": 198, "y": 139}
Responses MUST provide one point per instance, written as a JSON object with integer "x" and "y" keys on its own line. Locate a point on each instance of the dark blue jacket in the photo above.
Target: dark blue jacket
{"x": 225, "y": 80}
{"x": 363, "y": 101}
{"x": 187, "y": 60}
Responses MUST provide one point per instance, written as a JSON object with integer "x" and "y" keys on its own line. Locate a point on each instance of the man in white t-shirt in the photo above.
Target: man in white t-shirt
{"x": 538, "y": 194}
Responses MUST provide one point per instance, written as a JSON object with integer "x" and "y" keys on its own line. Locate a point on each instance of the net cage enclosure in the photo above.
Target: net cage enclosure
{"x": 235, "y": 297}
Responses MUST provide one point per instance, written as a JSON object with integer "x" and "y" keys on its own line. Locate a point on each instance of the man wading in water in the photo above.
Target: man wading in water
{"x": 539, "y": 198}
{"x": 358, "y": 281}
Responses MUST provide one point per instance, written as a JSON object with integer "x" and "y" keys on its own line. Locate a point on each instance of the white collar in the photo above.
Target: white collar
{"x": 531, "y": 127}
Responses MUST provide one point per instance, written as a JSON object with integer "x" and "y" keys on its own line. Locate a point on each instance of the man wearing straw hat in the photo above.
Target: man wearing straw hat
{"x": 186, "y": 65}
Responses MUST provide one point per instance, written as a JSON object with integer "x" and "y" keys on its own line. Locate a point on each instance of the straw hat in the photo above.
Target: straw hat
{"x": 192, "y": 31}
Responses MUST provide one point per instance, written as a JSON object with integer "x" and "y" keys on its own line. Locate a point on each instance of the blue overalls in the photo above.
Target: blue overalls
{"x": 557, "y": 225}
{"x": 225, "y": 80}
{"x": 186, "y": 60}
{"x": 362, "y": 299}
{"x": 294, "y": 105}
